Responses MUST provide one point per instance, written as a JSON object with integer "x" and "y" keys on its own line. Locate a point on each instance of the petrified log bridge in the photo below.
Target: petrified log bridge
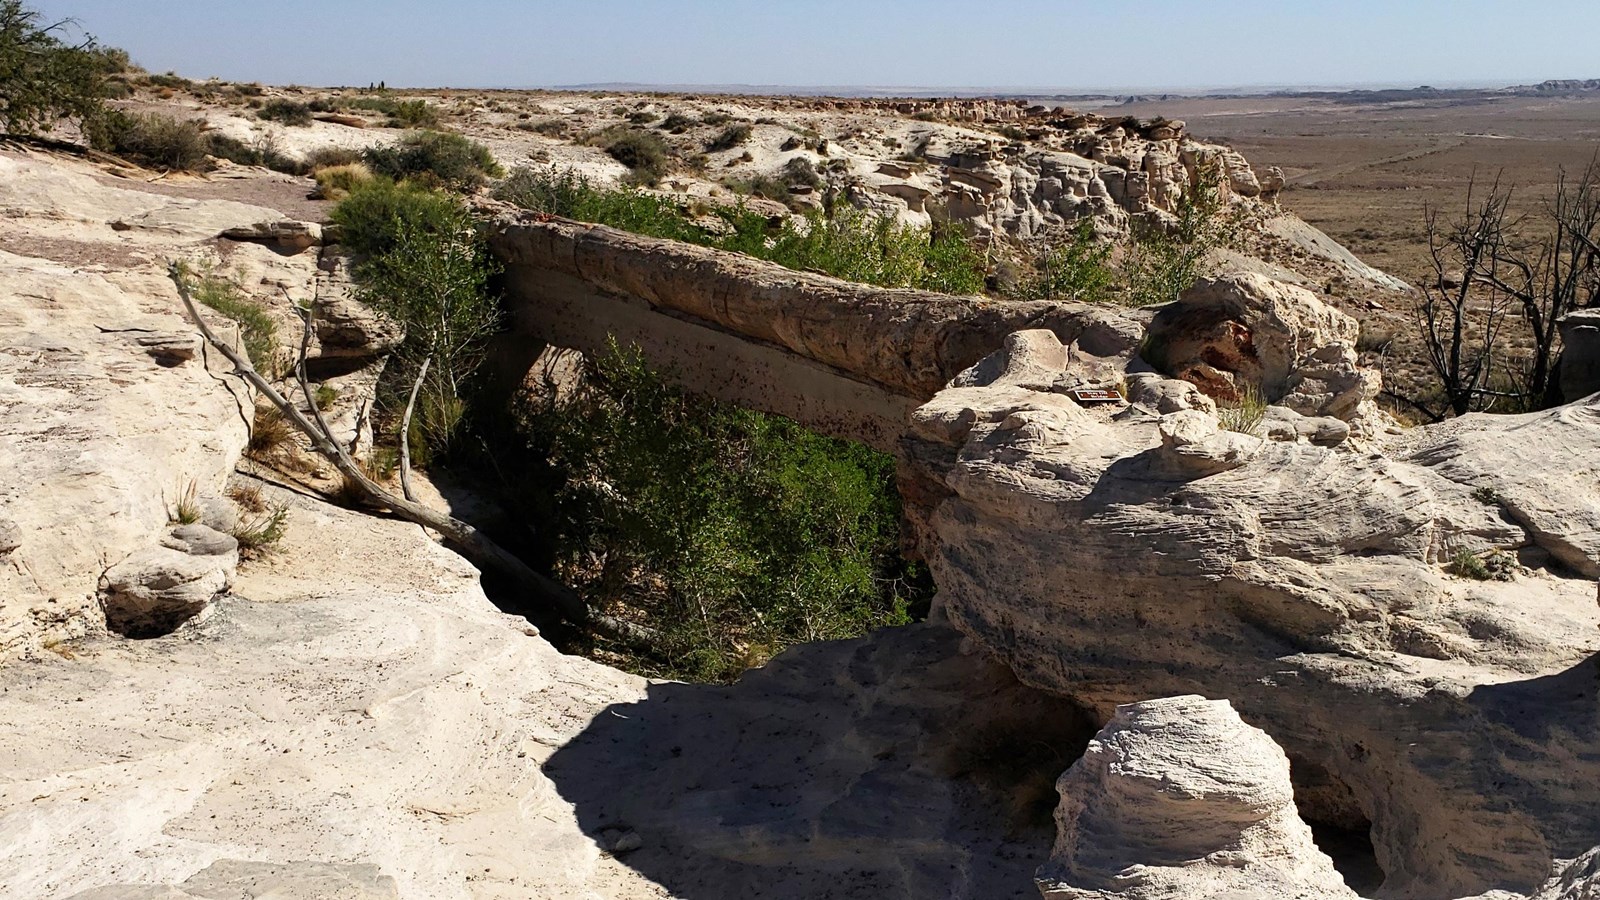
{"x": 845, "y": 359}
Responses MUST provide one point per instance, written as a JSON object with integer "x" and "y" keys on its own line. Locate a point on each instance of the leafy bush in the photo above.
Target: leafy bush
{"x": 735, "y": 534}
{"x": 44, "y": 79}
{"x": 850, "y": 244}
{"x": 264, "y": 152}
{"x": 427, "y": 267}
{"x": 371, "y": 217}
{"x": 677, "y": 123}
{"x": 645, "y": 154}
{"x": 1075, "y": 269}
{"x": 570, "y": 195}
{"x": 858, "y": 246}
{"x": 731, "y": 137}
{"x": 151, "y": 139}
{"x": 435, "y": 281}
{"x": 436, "y": 157}
{"x": 1164, "y": 263}
{"x": 289, "y": 112}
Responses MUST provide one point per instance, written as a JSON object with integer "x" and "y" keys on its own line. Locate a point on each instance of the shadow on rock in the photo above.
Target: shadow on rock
{"x": 893, "y": 766}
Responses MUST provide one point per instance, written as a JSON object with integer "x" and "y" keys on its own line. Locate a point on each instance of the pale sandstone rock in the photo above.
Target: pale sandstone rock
{"x": 1178, "y": 798}
{"x": 155, "y": 590}
{"x": 1305, "y": 585}
{"x": 237, "y": 879}
{"x": 1579, "y": 371}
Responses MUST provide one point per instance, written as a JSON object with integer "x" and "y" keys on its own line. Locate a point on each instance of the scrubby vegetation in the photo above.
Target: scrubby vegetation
{"x": 734, "y": 534}
{"x": 731, "y": 137}
{"x": 288, "y": 112}
{"x": 257, "y": 330}
{"x": 45, "y": 77}
{"x": 730, "y": 533}
{"x": 848, "y": 243}
{"x": 152, "y": 139}
{"x": 401, "y": 113}
{"x": 370, "y": 219}
{"x": 1077, "y": 268}
{"x": 439, "y": 158}
{"x": 645, "y": 154}
{"x": 1164, "y": 260}
{"x": 430, "y": 271}
{"x": 262, "y": 152}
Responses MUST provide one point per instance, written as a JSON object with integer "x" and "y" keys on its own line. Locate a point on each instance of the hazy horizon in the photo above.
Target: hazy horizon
{"x": 1027, "y": 46}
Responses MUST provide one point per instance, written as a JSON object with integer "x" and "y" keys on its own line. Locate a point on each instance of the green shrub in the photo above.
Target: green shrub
{"x": 170, "y": 80}
{"x": 858, "y": 246}
{"x": 324, "y": 157}
{"x": 1486, "y": 495}
{"x": 263, "y": 152}
{"x": 731, "y": 137}
{"x": 769, "y": 186}
{"x": 371, "y": 217}
{"x": 800, "y": 171}
{"x": 257, "y": 330}
{"x": 1164, "y": 263}
{"x": 433, "y": 278}
{"x": 645, "y": 154}
{"x": 435, "y": 157}
{"x": 401, "y": 113}
{"x": 735, "y": 534}
{"x": 677, "y": 123}
{"x": 548, "y": 127}
{"x": 289, "y": 112}
{"x": 1498, "y": 565}
{"x": 850, "y": 244}
{"x": 151, "y": 139}
{"x": 44, "y": 77}
{"x": 1075, "y": 269}
{"x": 716, "y": 117}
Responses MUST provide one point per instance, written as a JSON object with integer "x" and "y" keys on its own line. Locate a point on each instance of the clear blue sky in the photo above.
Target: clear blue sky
{"x": 933, "y": 43}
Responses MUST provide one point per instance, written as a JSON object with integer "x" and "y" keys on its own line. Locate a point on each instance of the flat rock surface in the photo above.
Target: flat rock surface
{"x": 359, "y": 703}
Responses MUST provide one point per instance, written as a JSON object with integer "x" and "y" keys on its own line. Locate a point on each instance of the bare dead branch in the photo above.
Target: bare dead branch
{"x": 405, "y": 430}
{"x": 473, "y": 543}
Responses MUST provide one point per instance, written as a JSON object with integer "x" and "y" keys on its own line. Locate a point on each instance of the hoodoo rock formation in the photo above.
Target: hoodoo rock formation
{"x": 1179, "y": 798}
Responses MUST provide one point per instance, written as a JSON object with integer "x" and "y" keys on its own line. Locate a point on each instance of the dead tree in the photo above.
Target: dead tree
{"x": 556, "y": 597}
{"x": 1555, "y": 272}
{"x": 1460, "y": 322}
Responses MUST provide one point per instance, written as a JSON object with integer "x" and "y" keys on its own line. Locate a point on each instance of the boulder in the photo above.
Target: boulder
{"x": 155, "y": 590}
{"x": 1245, "y": 332}
{"x": 1180, "y": 798}
{"x": 1579, "y": 371}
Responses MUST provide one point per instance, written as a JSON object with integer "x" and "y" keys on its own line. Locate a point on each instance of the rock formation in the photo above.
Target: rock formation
{"x": 1114, "y": 553}
{"x": 1179, "y": 798}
